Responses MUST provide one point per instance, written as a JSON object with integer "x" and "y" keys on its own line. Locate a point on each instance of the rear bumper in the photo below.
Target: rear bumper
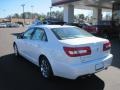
{"x": 74, "y": 71}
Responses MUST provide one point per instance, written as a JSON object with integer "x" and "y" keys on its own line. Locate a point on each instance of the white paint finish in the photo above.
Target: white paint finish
{"x": 79, "y": 41}
{"x": 74, "y": 70}
{"x": 62, "y": 64}
{"x": 96, "y": 45}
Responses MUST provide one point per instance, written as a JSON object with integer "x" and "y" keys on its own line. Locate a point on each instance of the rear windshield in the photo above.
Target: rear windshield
{"x": 70, "y": 33}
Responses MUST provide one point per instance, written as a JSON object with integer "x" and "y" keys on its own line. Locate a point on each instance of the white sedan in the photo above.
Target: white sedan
{"x": 64, "y": 51}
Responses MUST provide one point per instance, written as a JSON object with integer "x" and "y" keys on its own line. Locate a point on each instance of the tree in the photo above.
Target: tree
{"x": 55, "y": 15}
{"x": 81, "y": 16}
{"x": 27, "y": 15}
{"x": 16, "y": 15}
{"x": 42, "y": 17}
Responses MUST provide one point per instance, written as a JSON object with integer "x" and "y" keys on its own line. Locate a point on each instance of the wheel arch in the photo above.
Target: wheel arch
{"x": 42, "y": 55}
{"x": 50, "y": 62}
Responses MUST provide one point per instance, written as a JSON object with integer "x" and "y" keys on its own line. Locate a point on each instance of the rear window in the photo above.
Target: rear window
{"x": 70, "y": 33}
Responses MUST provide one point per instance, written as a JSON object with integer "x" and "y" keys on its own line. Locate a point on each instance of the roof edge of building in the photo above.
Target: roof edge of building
{"x": 63, "y": 2}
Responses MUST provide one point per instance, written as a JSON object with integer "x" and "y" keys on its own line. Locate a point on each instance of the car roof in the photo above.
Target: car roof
{"x": 52, "y": 26}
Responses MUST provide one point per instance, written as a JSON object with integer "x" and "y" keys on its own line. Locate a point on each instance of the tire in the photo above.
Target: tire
{"x": 16, "y": 53}
{"x": 45, "y": 68}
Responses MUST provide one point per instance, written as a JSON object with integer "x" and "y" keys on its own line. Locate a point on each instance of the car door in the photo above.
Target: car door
{"x": 27, "y": 36}
{"x": 39, "y": 39}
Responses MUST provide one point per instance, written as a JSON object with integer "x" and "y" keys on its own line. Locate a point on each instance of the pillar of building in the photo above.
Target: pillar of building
{"x": 116, "y": 12}
{"x": 69, "y": 13}
{"x": 97, "y": 15}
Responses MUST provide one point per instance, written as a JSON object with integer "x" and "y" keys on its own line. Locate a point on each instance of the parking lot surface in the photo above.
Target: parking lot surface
{"x": 19, "y": 74}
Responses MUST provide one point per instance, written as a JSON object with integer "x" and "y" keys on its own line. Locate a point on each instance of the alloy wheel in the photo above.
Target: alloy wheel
{"x": 44, "y": 67}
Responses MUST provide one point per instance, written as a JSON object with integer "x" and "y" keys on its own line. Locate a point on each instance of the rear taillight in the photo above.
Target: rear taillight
{"x": 77, "y": 51}
{"x": 106, "y": 46}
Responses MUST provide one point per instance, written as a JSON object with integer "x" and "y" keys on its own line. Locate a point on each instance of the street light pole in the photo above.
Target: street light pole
{"x": 50, "y": 13}
{"x": 23, "y": 6}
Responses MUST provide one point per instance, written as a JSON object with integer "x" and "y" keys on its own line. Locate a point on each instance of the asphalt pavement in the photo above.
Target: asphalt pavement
{"x": 20, "y": 74}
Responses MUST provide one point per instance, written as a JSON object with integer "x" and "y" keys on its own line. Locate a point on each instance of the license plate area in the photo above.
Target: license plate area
{"x": 99, "y": 66}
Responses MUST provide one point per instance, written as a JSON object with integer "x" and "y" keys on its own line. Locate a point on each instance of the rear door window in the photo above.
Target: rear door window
{"x": 39, "y": 34}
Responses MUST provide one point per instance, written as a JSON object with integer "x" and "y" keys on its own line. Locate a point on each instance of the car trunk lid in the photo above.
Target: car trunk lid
{"x": 95, "y": 43}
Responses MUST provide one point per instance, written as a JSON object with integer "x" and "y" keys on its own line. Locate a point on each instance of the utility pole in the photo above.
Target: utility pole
{"x": 23, "y": 6}
{"x": 32, "y": 10}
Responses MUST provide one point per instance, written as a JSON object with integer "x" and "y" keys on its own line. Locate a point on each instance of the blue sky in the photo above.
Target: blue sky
{"x": 9, "y": 7}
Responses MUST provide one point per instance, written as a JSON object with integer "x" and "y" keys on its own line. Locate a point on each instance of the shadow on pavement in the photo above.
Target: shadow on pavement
{"x": 19, "y": 74}
{"x": 116, "y": 52}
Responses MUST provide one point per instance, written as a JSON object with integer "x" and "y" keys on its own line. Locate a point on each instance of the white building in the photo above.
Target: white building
{"x": 96, "y": 5}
